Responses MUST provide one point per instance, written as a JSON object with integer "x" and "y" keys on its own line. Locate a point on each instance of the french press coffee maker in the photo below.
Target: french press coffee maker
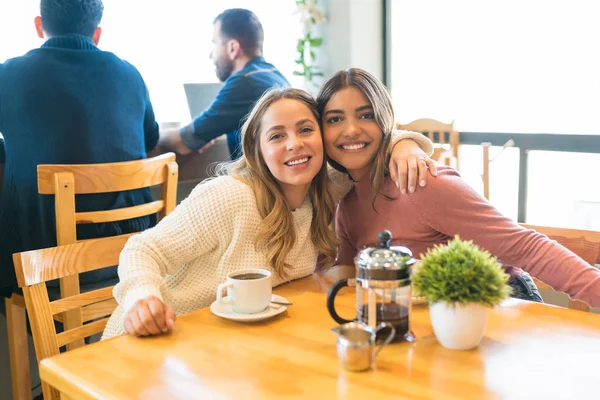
{"x": 383, "y": 287}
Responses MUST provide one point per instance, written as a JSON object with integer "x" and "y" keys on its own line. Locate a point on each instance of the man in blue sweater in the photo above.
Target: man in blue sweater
{"x": 237, "y": 55}
{"x": 68, "y": 103}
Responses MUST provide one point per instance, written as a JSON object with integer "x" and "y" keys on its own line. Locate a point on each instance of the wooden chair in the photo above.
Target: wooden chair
{"x": 485, "y": 175}
{"x": 586, "y": 244}
{"x": 445, "y": 138}
{"x": 35, "y": 268}
{"x": 64, "y": 182}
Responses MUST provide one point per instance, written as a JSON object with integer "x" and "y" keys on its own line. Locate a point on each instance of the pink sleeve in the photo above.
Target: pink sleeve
{"x": 346, "y": 249}
{"x": 449, "y": 205}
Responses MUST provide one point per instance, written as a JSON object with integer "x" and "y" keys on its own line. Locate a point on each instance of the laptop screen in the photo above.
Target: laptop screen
{"x": 200, "y": 96}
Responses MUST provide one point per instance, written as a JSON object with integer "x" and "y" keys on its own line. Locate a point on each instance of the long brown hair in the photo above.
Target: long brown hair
{"x": 381, "y": 102}
{"x": 277, "y": 234}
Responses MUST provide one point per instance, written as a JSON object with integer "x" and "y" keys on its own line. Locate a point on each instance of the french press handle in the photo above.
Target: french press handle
{"x": 331, "y": 299}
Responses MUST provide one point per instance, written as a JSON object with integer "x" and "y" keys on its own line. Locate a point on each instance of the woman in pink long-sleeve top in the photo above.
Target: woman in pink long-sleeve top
{"x": 357, "y": 118}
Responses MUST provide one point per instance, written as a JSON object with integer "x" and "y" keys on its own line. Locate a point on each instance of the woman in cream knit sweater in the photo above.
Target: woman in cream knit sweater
{"x": 273, "y": 209}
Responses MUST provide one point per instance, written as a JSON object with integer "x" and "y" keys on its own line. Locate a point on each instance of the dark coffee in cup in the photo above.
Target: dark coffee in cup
{"x": 248, "y": 276}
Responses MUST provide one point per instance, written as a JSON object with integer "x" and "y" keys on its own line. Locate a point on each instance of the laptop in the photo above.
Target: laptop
{"x": 200, "y": 96}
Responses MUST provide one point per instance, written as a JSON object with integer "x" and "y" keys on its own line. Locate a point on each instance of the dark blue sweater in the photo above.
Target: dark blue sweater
{"x": 234, "y": 101}
{"x": 67, "y": 103}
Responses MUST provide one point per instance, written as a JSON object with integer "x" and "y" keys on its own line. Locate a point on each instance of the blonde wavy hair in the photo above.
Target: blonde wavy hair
{"x": 381, "y": 102}
{"x": 276, "y": 234}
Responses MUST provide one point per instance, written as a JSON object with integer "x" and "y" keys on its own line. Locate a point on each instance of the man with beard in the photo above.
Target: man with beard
{"x": 237, "y": 54}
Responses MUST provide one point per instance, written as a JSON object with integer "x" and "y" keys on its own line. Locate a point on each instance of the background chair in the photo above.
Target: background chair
{"x": 485, "y": 175}
{"x": 444, "y": 137}
{"x": 64, "y": 182}
{"x": 586, "y": 244}
{"x": 35, "y": 268}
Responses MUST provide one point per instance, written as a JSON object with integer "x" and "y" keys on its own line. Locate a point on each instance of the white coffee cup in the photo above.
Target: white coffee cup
{"x": 248, "y": 290}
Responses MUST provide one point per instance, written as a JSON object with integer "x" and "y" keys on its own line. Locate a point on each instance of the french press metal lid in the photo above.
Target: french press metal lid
{"x": 384, "y": 262}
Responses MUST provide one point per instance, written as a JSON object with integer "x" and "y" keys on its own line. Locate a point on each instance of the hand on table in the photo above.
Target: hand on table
{"x": 149, "y": 316}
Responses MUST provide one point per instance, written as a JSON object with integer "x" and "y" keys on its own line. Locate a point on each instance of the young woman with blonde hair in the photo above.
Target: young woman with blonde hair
{"x": 357, "y": 118}
{"x": 272, "y": 209}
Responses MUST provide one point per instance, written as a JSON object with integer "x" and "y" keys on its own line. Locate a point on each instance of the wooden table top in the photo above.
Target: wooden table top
{"x": 529, "y": 351}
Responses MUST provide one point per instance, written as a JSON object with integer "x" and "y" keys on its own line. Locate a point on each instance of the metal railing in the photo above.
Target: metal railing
{"x": 527, "y": 142}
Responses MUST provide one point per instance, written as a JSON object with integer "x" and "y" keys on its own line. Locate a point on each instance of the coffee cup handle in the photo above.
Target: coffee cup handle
{"x": 220, "y": 289}
{"x": 388, "y": 339}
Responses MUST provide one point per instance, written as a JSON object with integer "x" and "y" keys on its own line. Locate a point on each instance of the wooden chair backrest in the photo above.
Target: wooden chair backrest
{"x": 446, "y": 139}
{"x": 35, "y": 268}
{"x": 64, "y": 181}
{"x": 584, "y": 243}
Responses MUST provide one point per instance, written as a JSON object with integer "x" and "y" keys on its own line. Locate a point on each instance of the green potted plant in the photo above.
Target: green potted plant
{"x": 310, "y": 16}
{"x": 461, "y": 282}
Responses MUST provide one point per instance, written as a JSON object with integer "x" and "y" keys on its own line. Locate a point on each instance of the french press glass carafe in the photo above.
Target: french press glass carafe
{"x": 383, "y": 287}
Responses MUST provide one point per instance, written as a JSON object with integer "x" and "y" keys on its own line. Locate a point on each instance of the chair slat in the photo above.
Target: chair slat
{"x": 18, "y": 349}
{"x": 99, "y": 310}
{"x": 119, "y": 214}
{"x": 66, "y": 233}
{"x": 42, "y": 329}
{"x": 578, "y": 305}
{"x": 485, "y": 176}
{"x": 40, "y": 318}
{"x": 81, "y": 332}
{"x": 104, "y": 178}
{"x": 18, "y": 300}
{"x": 57, "y": 262}
{"x": 429, "y": 127}
{"x": 442, "y": 139}
{"x": 542, "y": 285}
{"x": 584, "y": 243}
{"x": 169, "y": 191}
{"x": 80, "y": 300}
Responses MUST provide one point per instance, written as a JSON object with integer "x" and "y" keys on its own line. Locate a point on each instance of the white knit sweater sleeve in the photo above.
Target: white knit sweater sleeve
{"x": 192, "y": 229}
{"x": 423, "y": 141}
{"x": 341, "y": 181}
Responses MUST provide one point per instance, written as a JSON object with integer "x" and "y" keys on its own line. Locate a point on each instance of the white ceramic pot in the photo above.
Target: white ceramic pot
{"x": 459, "y": 327}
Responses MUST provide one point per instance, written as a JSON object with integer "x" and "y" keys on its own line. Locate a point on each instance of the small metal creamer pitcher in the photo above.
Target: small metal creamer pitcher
{"x": 356, "y": 344}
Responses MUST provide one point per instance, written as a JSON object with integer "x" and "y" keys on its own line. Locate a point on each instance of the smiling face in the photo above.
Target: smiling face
{"x": 291, "y": 144}
{"x": 352, "y": 136}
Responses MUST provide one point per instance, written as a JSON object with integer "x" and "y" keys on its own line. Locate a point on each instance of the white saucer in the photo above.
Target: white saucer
{"x": 224, "y": 309}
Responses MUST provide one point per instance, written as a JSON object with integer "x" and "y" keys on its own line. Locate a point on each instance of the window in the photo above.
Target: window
{"x": 168, "y": 41}
{"x": 506, "y": 66}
